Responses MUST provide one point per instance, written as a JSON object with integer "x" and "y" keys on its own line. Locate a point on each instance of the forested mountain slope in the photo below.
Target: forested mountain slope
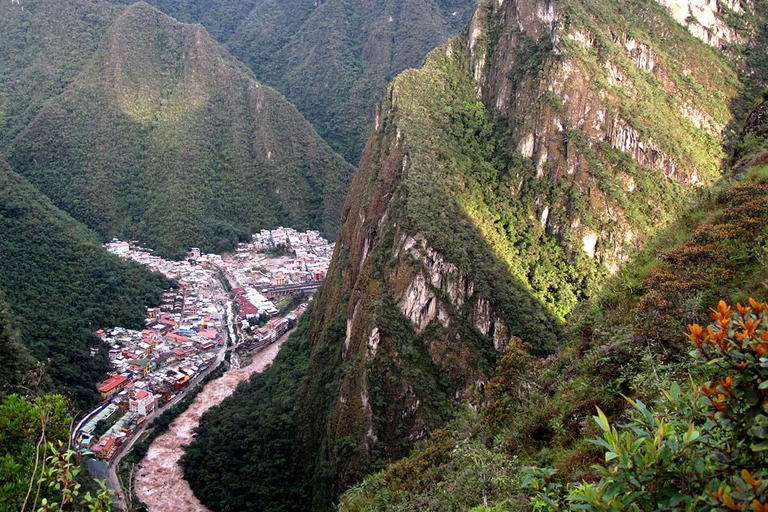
{"x": 44, "y": 45}
{"x": 164, "y": 137}
{"x": 503, "y": 182}
{"x": 17, "y": 362}
{"x": 629, "y": 342}
{"x": 61, "y": 285}
{"x": 331, "y": 58}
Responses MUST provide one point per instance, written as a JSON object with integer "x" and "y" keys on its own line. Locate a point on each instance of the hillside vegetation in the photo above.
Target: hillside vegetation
{"x": 528, "y": 444}
{"x": 44, "y": 45}
{"x": 61, "y": 286}
{"x": 17, "y": 362}
{"x": 161, "y": 135}
{"x": 506, "y": 183}
{"x": 333, "y": 58}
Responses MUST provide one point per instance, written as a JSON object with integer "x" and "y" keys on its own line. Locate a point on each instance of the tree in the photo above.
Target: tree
{"x": 37, "y": 469}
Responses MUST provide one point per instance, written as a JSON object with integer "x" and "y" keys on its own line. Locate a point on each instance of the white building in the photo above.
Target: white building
{"x": 142, "y": 402}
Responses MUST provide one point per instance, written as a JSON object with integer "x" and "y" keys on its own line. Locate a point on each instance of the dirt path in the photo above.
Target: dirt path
{"x": 159, "y": 482}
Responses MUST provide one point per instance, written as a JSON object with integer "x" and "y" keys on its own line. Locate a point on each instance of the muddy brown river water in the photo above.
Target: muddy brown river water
{"x": 159, "y": 483}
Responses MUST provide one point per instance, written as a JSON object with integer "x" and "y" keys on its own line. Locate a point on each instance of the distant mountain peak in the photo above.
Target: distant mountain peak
{"x": 172, "y": 140}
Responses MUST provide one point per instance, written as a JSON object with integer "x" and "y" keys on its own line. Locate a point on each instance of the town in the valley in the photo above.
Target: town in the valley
{"x": 239, "y": 302}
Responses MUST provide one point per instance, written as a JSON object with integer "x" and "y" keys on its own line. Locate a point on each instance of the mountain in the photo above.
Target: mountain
{"x": 17, "y": 362}
{"x": 164, "y": 137}
{"x": 61, "y": 285}
{"x": 628, "y": 342}
{"x": 44, "y": 45}
{"x": 331, "y": 58}
{"x": 503, "y": 184}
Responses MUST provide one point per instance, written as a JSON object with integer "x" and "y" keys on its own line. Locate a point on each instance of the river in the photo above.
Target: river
{"x": 159, "y": 482}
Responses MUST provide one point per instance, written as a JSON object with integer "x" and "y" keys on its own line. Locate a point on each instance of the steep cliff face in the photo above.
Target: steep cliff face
{"x": 706, "y": 19}
{"x": 502, "y": 181}
{"x": 524, "y": 160}
{"x": 627, "y": 343}
{"x": 414, "y": 325}
{"x": 620, "y": 108}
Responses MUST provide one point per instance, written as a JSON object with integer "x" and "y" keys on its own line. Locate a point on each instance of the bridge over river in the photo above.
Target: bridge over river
{"x": 291, "y": 289}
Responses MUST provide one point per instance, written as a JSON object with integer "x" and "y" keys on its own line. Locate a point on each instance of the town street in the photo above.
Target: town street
{"x": 113, "y": 481}
{"x": 246, "y": 301}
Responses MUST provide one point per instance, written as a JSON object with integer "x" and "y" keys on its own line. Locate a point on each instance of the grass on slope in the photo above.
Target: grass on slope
{"x": 332, "y": 59}
{"x": 629, "y": 342}
{"x": 43, "y": 46}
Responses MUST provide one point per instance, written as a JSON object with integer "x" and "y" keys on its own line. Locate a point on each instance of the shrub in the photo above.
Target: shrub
{"x": 704, "y": 448}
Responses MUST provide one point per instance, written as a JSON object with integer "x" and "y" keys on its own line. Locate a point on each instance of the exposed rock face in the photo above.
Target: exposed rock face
{"x": 704, "y": 18}
{"x": 525, "y": 158}
{"x": 757, "y": 122}
{"x": 403, "y": 302}
{"x": 752, "y": 148}
{"x": 562, "y": 121}
{"x": 421, "y": 301}
{"x": 416, "y": 332}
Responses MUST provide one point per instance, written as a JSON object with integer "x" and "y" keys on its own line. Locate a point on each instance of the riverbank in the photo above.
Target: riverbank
{"x": 159, "y": 481}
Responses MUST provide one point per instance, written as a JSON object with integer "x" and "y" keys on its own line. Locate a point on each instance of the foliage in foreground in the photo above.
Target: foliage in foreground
{"x": 705, "y": 447}
{"x": 37, "y": 470}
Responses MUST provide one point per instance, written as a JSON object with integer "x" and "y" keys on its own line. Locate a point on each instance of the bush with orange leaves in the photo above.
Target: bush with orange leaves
{"x": 737, "y": 342}
{"x": 705, "y": 449}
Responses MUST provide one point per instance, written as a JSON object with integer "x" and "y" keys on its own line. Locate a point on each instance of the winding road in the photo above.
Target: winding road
{"x": 109, "y": 470}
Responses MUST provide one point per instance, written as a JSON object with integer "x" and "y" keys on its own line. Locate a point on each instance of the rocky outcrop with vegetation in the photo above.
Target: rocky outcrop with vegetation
{"x": 505, "y": 182}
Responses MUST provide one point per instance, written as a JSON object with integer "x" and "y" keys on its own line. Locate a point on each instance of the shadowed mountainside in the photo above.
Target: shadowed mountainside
{"x": 61, "y": 285}
{"x": 164, "y": 137}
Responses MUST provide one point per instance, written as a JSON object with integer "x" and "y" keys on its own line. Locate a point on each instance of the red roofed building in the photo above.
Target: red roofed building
{"x": 246, "y": 307}
{"x": 179, "y": 338}
{"x": 209, "y": 335}
{"x": 112, "y": 385}
{"x": 105, "y": 448}
{"x": 182, "y": 351}
{"x": 170, "y": 322}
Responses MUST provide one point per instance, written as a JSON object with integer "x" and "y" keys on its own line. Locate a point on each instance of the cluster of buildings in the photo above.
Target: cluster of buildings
{"x": 179, "y": 342}
{"x": 183, "y": 336}
{"x": 306, "y": 260}
{"x": 259, "y": 337}
{"x": 275, "y": 264}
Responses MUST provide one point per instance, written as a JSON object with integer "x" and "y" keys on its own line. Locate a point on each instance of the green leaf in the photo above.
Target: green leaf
{"x": 601, "y": 442}
{"x": 692, "y": 434}
{"x": 602, "y": 420}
